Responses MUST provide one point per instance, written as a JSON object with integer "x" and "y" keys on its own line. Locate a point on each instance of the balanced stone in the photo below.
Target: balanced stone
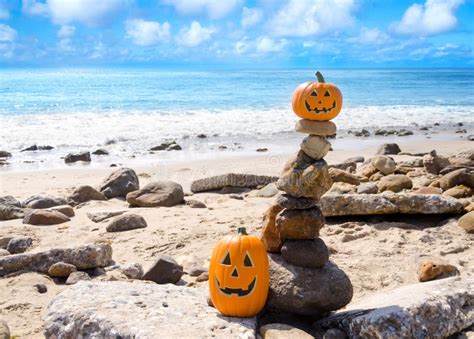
{"x": 302, "y": 176}
{"x": 322, "y": 128}
{"x": 270, "y": 235}
{"x": 315, "y": 146}
{"x": 305, "y": 253}
{"x": 299, "y": 224}
{"x": 292, "y": 203}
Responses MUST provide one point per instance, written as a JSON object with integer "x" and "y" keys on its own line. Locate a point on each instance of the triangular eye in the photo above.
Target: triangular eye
{"x": 327, "y": 94}
{"x": 226, "y": 260}
{"x": 247, "y": 261}
{"x": 314, "y": 94}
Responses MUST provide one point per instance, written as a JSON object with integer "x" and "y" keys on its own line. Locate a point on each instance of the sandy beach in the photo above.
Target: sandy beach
{"x": 380, "y": 253}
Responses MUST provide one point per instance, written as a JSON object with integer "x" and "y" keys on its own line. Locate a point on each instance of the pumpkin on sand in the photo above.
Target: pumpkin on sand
{"x": 317, "y": 100}
{"x": 238, "y": 275}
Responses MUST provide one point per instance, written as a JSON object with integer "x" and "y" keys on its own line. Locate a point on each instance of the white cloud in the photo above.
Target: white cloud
{"x": 4, "y": 13}
{"x": 266, "y": 45}
{"x": 311, "y": 17}
{"x": 370, "y": 36}
{"x": 251, "y": 16}
{"x": 435, "y": 16}
{"x": 215, "y": 9}
{"x": 90, "y": 12}
{"x": 7, "y": 34}
{"x": 242, "y": 46}
{"x": 195, "y": 34}
{"x": 66, "y": 31}
{"x": 147, "y": 33}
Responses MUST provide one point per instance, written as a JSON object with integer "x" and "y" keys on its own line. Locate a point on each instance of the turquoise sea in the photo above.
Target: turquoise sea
{"x": 75, "y": 109}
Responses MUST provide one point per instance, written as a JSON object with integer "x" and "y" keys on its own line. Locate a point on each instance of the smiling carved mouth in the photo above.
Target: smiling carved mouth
{"x": 238, "y": 291}
{"x": 317, "y": 111}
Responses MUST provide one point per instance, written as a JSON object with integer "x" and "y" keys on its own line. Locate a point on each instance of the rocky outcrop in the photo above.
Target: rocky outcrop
{"x": 83, "y": 257}
{"x": 119, "y": 183}
{"x": 435, "y": 309}
{"x": 156, "y": 194}
{"x": 369, "y": 204}
{"x": 139, "y": 310}
{"x": 83, "y": 194}
{"x": 231, "y": 179}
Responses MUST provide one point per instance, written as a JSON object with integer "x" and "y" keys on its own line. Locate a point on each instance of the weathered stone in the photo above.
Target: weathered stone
{"x": 61, "y": 270}
{"x": 100, "y": 151}
{"x": 132, "y": 271}
{"x": 334, "y": 333}
{"x": 434, "y": 163}
{"x": 464, "y": 162}
{"x": 8, "y": 212}
{"x": 75, "y": 157}
{"x": 299, "y": 224}
{"x": 435, "y": 309}
{"x": 384, "y": 164}
{"x": 461, "y": 176}
{"x": 157, "y": 310}
{"x": 370, "y": 204}
{"x": 468, "y": 154}
{"x": 467, "y": 222}
{"x": 292, "y": 203}
{"x": 304, "y": 177}
{"x": 270, "y": 235}
{"x": 376, "y": 177}
{"x": 101, "y": 216}
{"x": 41, "y": 288}
{"x": 429, "y": 269}
{"x": 305, "y": 253}
{"x": 37, "y": 148}
{"x": 367, "y": 170}
{"x": 307, "y": 291}
{"x": 394, "y": 183}
{"x": 404, "y": 169}
{"x": 19, "y": 244}
{"x": 342, "y": 188}
{"x": 388, "y": 149}
{"x": 4, "y": 330}
{"x": 39, "y": 201}
{"x": 77, "y": 276}
{"x": 267, "y": 191}
{"x": 83, "y": 194}
{"x": 126, "y": 222}
{"x": 155, "y": 194}
{"x": 67, "y": 210}
{"x": 165, "y": 270}
{"x": 195, "y": 203}
{"x": 4, "y": 241}
{"x": 345, "y": 166}
{"x": 321, "y": 128}
{"x": 315, "y": 146}
{"x": 231, "y": 179}
{"x": 428, "y": 190}
{"x": 119, "y": 183}
{"x": 458, "y": 192}
{"x": 83, "y": 257}
{"x": 367, "y": 188}
{"x": 10, "y": 201}
{"x": 338, "y": 175}
{"x": 44, "y": 217}
{"x": 282, "y": 331}
{"x": 417, "y": 162}
{"x": 4, "y": 252}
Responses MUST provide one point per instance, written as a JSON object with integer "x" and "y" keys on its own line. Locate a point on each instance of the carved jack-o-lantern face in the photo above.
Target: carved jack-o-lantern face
{"x": 317, "y": 100}
{"x": 238, "y": 275}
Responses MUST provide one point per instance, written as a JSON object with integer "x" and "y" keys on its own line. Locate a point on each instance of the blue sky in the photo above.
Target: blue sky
{"x": 237, "y": 33}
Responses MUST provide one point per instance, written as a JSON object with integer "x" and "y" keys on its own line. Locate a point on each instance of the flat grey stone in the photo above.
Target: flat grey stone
{"x": 231, "y": 179}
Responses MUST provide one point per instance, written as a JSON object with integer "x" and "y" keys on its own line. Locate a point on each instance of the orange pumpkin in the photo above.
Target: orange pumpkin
{"x": 238, "y": 275}
{"x": 317, "y": 100}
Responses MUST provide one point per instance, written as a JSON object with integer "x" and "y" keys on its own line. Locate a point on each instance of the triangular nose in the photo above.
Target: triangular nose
{"x": 235, "y": 273}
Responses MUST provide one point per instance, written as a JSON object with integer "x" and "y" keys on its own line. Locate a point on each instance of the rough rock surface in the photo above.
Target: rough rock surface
{"x": 304, "y": 177}
{"x": 388, "y": 149}
{"x": 283, "y": 331}
{"x": 322, "y": 128}
{"x": 126, "y": 222}
{"x": 367, "y": 188}
{"x": 155, "y": 194}
{"x": 231, "y": 179}
{"x": 307, "y": 291}
{"x": 435, "y": 309}
{"x": 467, "y": 222}
{"x": 428, "y": 190}
{"x": 83, "y": 194}
{"x": 270, "y": 235}
{"x": 74, "y": 157}
{"x": 338, "y": 175}
{"x": 40, "y": 201}
{"x": 44, "y": 217}
{"x": 434, "y": 163}
{"x": 83, "y": 257}
{"x": 315, "y": 146}
{"x": 299, "y": 224}
{"x": 139, "y": 310}
{"x": 8, "y": 212}
{"x": 459, "y": 191}
{"x": 165, "y": 270}
{"x": 287, "y": 201}
{"x": 77, "y": 276}
{"x": 342, "y": 188}
{"x": 394, "y": 183}
{"x": 368, "y": 204}
{"x": 305, "y": 253}
{"x": 119, "y": 183}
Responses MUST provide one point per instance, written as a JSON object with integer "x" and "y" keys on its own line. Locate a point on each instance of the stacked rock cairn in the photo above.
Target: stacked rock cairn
{"x": 291, "y": 228}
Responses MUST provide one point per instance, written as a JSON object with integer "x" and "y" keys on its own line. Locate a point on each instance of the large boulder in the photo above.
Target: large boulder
{"x": 307, "y": 291}
{"x": 119, "y": 183}
{"x": 394, "y": 183}
{"x": 302, "y": 176}
{"x": 232, "y": 180}
{"x": 83, "y": 257}
{"x": 45, "y": 217}
{"x": 369, "y": 204}
{"x": 155, "y": 194}
{"x": 83, "y": 194}
{"x": 126, "y": 222}
{"x": 435, "y": 309}
{"x": 139, "y": 310}
{"x": 43, "y": 201}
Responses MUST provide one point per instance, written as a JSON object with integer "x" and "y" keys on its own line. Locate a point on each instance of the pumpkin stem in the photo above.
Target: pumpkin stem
{"x": 320, "y": 77}
{"x": 242, "y": 231}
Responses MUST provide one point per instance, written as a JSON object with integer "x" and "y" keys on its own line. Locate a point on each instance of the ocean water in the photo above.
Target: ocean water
{"x": 82, "y": 109}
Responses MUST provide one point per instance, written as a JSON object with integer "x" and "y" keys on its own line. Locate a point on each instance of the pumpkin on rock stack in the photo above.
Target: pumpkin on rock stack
{"x": 238, "y": 275}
